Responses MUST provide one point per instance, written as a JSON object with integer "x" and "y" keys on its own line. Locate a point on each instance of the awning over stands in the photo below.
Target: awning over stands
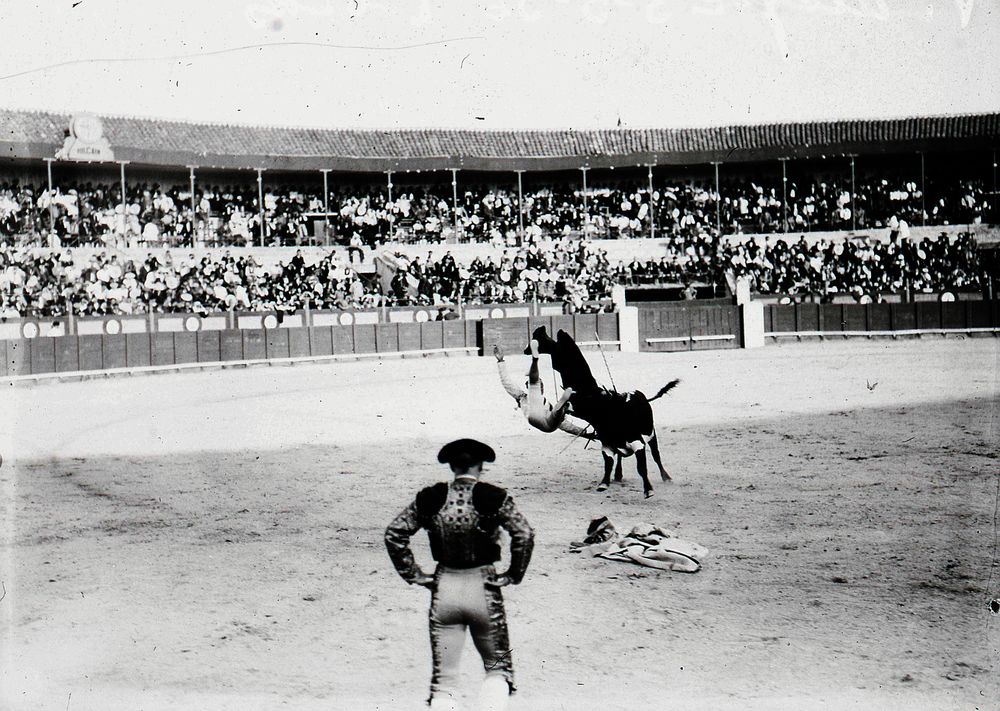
{"x": 35, "y": 136}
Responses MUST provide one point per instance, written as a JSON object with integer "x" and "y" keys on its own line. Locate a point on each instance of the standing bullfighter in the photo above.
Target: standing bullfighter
{"x": 463, "y": 519}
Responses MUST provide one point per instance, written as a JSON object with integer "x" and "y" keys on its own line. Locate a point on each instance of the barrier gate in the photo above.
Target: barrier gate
{"x": 685, "y": 325}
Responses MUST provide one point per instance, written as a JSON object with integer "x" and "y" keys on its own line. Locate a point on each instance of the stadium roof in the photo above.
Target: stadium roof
{"x": 32, "y": 135}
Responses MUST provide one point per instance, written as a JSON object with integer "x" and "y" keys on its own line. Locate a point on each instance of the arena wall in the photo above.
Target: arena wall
{"x": 656, "y": 326}
{"x": 12, "y": 328}
{"x": 915, "y": 318}
{"x": 145, "y": 351}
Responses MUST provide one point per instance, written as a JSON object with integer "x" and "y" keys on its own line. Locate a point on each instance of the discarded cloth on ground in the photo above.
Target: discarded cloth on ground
{"x": 646, "y": 544}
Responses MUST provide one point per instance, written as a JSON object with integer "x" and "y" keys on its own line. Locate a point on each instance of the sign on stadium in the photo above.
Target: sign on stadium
{"x": 86, "y": 141}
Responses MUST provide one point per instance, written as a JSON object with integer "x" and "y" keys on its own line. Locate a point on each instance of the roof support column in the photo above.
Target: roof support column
{"x": 652, "y": 211}
{"x": 454, "y": 201}
{"x": 718, "y": 201}
{"x": 326, "y": 206}
{"x": 854, "y": 192}
{"x": 784, "y": 195}
{"x": 996, "y": 196}
{"x": 586, "y": 214}
{"x": 194, "y": 209}
{"x": 260, "y": 204}
{"x": 520, "y": 209}
{"x": 121, "y": 165}
{"x": 52, "y": 207}
{"x": 923, "y": 192}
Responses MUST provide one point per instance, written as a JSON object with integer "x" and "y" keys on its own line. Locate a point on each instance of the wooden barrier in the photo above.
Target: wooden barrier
{"x": 684, "y": 325}
{"x": 183, "y": 349}
{"x": 941, "y": 317}
{"x": 513, "y": 334}
{"x": 13, "y": 328}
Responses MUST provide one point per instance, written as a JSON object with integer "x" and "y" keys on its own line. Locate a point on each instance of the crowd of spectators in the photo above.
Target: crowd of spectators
{"x": 155, "y": 214}
{"x": 865, "y": 269}
{"x": 575, "y": 272}
{"x": 52, "y": 282}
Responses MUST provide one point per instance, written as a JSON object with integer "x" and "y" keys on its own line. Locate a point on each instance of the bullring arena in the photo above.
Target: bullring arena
{"x": 230, "y": 355}
{"x": 213, "y": 539}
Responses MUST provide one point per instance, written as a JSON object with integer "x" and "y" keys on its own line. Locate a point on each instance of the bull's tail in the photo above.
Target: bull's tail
{"x": 665, "y": 389}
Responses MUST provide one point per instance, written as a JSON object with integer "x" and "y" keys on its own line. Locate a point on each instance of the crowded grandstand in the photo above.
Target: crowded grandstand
{"x": 802, "y": 211}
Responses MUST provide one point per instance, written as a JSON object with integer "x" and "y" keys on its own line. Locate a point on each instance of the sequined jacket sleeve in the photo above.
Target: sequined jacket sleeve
{"x": 522, "y": 539}
{"x": 397, "y": 542}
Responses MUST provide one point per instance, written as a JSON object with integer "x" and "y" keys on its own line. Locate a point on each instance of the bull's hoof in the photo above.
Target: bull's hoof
{"x": 602, "y": 487}
{"x": 665, "y": 477}
{"x": 648, "y": 494}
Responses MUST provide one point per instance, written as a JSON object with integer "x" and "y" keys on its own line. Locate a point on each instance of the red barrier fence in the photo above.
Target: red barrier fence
{"x": 862, "y": 319}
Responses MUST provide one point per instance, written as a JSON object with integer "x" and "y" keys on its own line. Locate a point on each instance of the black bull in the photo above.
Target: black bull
{"x": 622, "y": 422}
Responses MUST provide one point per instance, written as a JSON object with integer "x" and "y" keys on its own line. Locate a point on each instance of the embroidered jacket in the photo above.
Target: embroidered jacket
{"x": 463, "y": 521}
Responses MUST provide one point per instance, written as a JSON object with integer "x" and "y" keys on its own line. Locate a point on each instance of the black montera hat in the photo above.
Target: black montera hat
{"x": 466, "y": 452}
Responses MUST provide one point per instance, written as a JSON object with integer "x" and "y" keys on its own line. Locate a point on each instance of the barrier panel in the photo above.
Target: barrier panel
{"x": 454, "y": 334}
{"x": 209, "y": 346}
{"x": 43, "y": 356}
{"x": 67, "y": 354}
{"x": 321, "y": 341}
{"x": 298, "y": 342}
{"x": 185, "y": 347}
{"x": 253, "y": 345}
{"x": 365, "y": 339}
{"x": 513, "y": 334}
{"x": 18, "y": 357}
{"x": 981, "y": 314}
{"x": 831, "y": 317}
{"x": 343, "y": 339}
{"x": 879, "y": 317}
{"x": 113, "y": 350}
{"x": 231, "y": 345}
{"x": 91, "y": 352}
{"x": 408, "y": 337}
{"x": 928, "y": 315}
{"x": 433, "y": 334}
{"x": 681, "y": 326}
{"x": 137, "y": 350}
{"x": 276, "y": 343}
{"x": 903, "y": 318}
{"x": 162, "y": 349}
{"x": 386, "y": 337}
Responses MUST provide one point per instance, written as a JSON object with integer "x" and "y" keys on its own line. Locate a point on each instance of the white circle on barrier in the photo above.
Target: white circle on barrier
{"x": 346, "y": 319}
{"x": 270, "y": 321}
{"x": 865, "y": 299}
{"x": 113, "y": 326}
{"x": 947, "y": 296}
{"x": 29, "y": 329}
{"x": 496, "y": 313}
{"x": 421, "y": 316}
{"x": 192, "y": 323}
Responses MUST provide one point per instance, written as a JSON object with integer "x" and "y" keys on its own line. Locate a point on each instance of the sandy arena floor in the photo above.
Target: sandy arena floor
{"x": 214, "y": 540}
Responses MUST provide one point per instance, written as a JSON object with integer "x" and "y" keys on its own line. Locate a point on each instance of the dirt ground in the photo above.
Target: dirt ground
{"x": 214, "y": 540}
